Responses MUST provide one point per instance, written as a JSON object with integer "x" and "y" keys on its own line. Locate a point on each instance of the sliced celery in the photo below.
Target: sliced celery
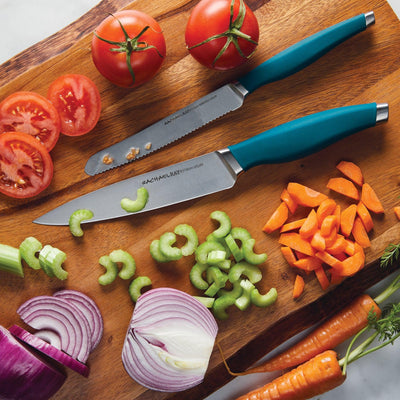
{"x": 172, "y": 253}
{"x": 216, "y": 257}
{"x": 234, "y": 248}
{"x": 192, "y": 239}
{"x": 128, "y": 263}
{"x": 244, "y": 301}
{"x": 249, "y": 254}
{"x": 224, "y": 224}
{"x": 156, "y": 253}
{"x": 207, "y": 301}
{"x": 10, "y": 260}
{"x": 51, "y": 260}
{"x": 142, "y": 197}
{"x": 202, "y": 251}
{"x": 28, "y": 250}
{"x": 75, "y": 220}
{"x": 252, "y": 272}
{"x": 137, "y": 285}
{"x": 196, "y": 277}
{"x": 263, "y": 300}
{"x": 111, "y": 270}
{"x": 221, "y": 304}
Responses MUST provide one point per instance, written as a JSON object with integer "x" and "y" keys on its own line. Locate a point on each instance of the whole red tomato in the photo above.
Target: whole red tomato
{"x": 222, "y": 34}
{"x": 128, "y": 48}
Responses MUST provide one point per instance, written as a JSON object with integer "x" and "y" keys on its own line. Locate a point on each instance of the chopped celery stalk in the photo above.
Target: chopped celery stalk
{"x": 224, "y": 224}
{"x": 207, "y": 301}
{"x": 249, "y": 255}
{"x": 111, "y": 270}
{"x": 234, "y": 248}
{"x": 128, "y": 263}
{"x": 172, "y": 253}
{"x": 244, "y": 301}
{"x": 51, "y": 260}
{"x": 192, "y": 240}
{"x": 235, "y": 292}
{"x": 156, "y": 253}
{"x": 202, "y": 251}
{"x": 28, "y": 250}
{"x": 241, "y": 234}
{"x": 212, "y": 289}
{"x": 252, "y": 272}
{"x": 142, "y": 196}
{"x": 75, "y": 220}
{"x": 214, "y": 274}
{"x": 137, "y": 285}
{"x": 196, "y": 277}
{"x": 221, "y": 304}
{"x": 216, "y": 257}
{"x": 224, "y": 264}
{"x": 263, "y": 300}
{"x": 10, "y": 260}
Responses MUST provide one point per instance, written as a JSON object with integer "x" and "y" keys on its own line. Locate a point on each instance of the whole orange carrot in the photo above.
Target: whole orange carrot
{"x": 318, "y": 375}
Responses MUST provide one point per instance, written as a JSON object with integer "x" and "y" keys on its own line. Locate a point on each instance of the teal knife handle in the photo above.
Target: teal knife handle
{"x": 301, "y": 137}
{"x": 303, "y": 53}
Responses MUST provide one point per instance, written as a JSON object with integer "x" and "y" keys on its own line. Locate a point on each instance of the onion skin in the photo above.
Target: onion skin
{"x": 23, "y": 374}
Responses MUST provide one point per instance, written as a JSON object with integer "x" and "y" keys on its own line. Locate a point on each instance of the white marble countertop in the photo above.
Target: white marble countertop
{"x": 25, "y": 22}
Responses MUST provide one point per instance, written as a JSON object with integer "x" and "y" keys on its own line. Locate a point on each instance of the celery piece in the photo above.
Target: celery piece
{"x": 137, "y": 285}
{"x": 235, "y": 292}
{"x": 207, "y": 301}
{"x": 28, "y": 249}
{"x": 216, "y": 256}
{"x": 224, "y": 224}
{"x": 51, "y": 260}
{"x": 172, "y": 253}
{"x": 252, "y": 272}
{"x": 241, "y": 234}
{"x": 156, "y": 253}
{"x": 142, "y": 196}
{"x": 220, "y": 305}
{"x": 192, "y": 239}
{"x": 224, "y": 264}
{"x": 128, "y": 263}
{"x": 263, "y": 300}
{"x": 196, "y": 277}
{"x": 244, "y": 301}
{"x": 201, "y": 253}
{"x": 217, "y": 280}
{"x": 111, "y": 270}
{"x": 234, "y": 248}
{"x": 75, "y": 220}
{"x": 249, "y": 255}
{"x": 10, "y": 260}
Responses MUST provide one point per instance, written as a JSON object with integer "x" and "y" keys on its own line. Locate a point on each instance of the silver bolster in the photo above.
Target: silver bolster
{"x": 382, "y": 112}
{"x": 369, "y": 18}
{"x": 230, "y": 161}
{"x": 239, "y": 89}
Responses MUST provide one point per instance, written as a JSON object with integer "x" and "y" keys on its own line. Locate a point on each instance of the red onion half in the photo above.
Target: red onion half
{"x": 169, "y": 340}
{"x": 25, "y": 375}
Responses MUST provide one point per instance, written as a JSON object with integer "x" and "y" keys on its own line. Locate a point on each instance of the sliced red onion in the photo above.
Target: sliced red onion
{"x": 50, "y": 337}
{"x": 49, "y": 350}
{"x": 90, "y": 310}
{"x": 57, "y": 314}
{"x": 23, "y": 374}
{"x": 169, "y": 340}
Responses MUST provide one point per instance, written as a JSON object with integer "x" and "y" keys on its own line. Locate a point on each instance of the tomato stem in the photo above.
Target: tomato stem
{"x": 232, "y": 33}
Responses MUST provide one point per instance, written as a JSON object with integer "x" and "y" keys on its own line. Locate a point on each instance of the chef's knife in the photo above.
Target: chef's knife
{"x": 219, "y": 170}
{"x": 227, "y": 98}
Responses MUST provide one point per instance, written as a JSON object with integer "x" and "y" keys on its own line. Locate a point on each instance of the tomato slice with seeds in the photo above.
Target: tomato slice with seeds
{"x": 77, "y": 101}
{"x": 26, "y": 167}
{"x": 31, "y": 113}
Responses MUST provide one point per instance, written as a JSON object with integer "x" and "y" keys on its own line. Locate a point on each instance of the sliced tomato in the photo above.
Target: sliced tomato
{"x": 31, "y": 113}
{"x": 77, "y": 101}
{"x": 26, "y": 168}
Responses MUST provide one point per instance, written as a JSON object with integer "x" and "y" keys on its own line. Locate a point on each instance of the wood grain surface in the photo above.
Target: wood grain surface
{"x": 363, "y": 69}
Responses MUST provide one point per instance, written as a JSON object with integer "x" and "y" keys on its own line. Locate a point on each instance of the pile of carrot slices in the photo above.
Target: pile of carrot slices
{"x": 330, "y": 239}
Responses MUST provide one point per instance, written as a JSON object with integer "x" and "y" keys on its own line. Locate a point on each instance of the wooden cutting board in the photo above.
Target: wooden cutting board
{"x": 364, "y": 69}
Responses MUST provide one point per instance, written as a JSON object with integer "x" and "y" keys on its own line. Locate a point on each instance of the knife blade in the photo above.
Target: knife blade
{"x": 228, "y": 98}
{"x": 220, "y": 169}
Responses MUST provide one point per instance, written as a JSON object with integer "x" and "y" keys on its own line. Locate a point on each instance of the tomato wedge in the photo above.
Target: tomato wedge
{"x": 26, "y": 168}
{"x": 31, "y": 113}
{"x": 77, "y": 101}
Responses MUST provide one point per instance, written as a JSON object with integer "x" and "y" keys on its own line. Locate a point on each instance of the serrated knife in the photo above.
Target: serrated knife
{"x": 227, "y": 98}
{"x": 220, "y": 169}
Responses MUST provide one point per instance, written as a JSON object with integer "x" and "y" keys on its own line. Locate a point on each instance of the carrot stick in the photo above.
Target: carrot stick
{"x": 328, "y": 224}
{"x": 308, "y": 263}
{"x": 289, "y": 255}
{"x": 288, "y": 199}
{"x": 328, "y": 335}
{"x": 304, "y": 195}
{"x": 365, "y": 216}
{"x": 351, "y": 265}
{"x": 318, "y": 241}
{"x": 371, "y": 200}
{"x": 360, "y": 234}
{"x": 296, "y": 242}
{"x": 347, "y": 219}
{"x": 298, "y": 286}
{"x": 351, "y": 171}
{"x": 277, "y": 219}
{"x": 310, "y": 225}
{"x": 344, "y": 187}
{"x": 291, "y": 226}
{"x": 327, "y": 207}
{"x": 339, "y": 246}
{"x": 396, "y": 210}
{"x": 322, "y": 278}
{"x": 318, "y": 375}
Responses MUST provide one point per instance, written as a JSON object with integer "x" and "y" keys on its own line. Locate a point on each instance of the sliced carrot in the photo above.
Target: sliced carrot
{"x": 351, "y": 265}
{"x": 327, "y": 258}
{"x": 338, "y": 247}
{"x": 318, "y": 241}
{"x": 308, "y": 263}
{"x": 344, "y": 187}
{"x": 277, "y": 219}
{"x": 360, "y": 234}
{"x": 327, "y": 207}
{"x": 298, "y": 286}
{"x": 347, "y": 219}
{"x": 300, "y": 255}
{"x": 328, "y": 225}
{"x": 322, "y": 278}
{"x": 293, "y": 225}
{"x": 337, "y": 212}
{"x": 296, "y": 242}
{"x": 288, "y": 199}
{"x": 365, "y": 216}
{"x": 397, "y": 211}
{"x": 336, "y": 278}
{"x": 351, "y": 171}
{"x": 289, "y": 255}
{"x": 305, "y": 196}
{"x": 350, "y": 248}
{"x": 370, "y": 199}
{"x": 310, "y": 225}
